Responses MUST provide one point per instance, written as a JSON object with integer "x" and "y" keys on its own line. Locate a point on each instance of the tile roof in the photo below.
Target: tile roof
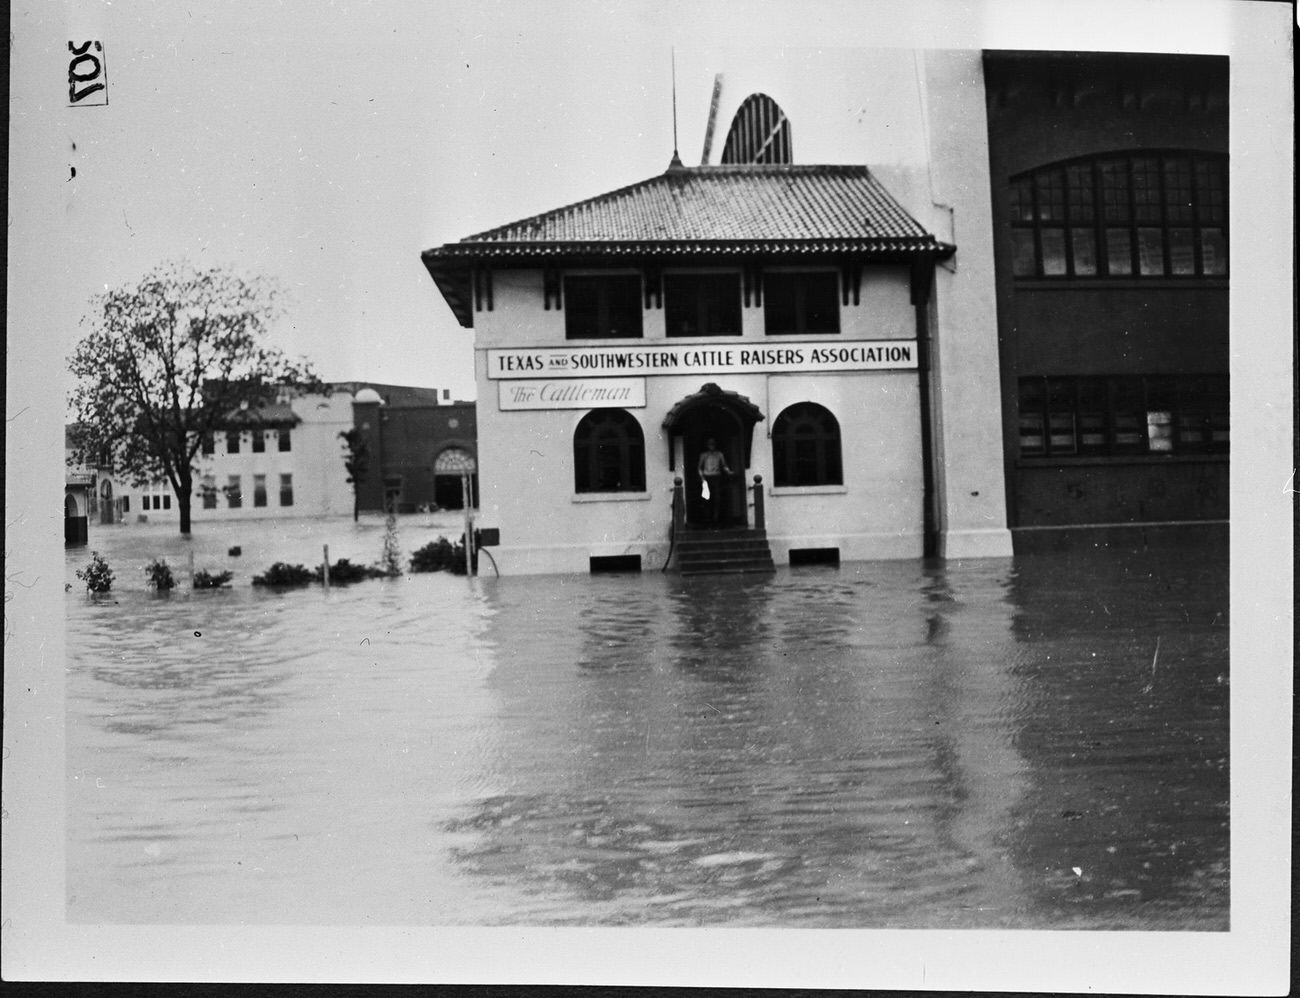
{"x": 702, "y": 211}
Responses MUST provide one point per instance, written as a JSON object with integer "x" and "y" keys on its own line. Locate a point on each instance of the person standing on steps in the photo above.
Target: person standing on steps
{"x": 713, "y": 472}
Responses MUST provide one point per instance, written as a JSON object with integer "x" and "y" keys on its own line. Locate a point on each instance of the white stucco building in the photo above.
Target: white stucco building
{"x": 812, "y": 313}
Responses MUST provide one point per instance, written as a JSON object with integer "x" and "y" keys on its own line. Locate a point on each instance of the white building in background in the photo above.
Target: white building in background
{"x": 281, "y": 459}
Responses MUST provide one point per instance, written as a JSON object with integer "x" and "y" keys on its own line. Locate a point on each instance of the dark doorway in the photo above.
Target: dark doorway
{"x": 449, "y": 491}
{"x": 107, "y": 512}
{"x": 725, "y": 429}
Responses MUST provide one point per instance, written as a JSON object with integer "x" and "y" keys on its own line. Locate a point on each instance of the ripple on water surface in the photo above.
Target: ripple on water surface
{"x": 1038, "y": 743}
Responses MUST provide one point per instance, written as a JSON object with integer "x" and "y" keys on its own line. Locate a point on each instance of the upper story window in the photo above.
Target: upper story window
{"x": 806, "y": 447}
{"x": 702, "y": 304}
{"x": 286, "y": 442}
{"x": 1123, "y": 415}
{"x": 608, "y": 452}
{"x": 760, "y": 133}
{"x": 602, "y": 306}
{"x": 232, "y": 442}
{"x": 801, "y": 303}
{"x": 259, "y": 442}
{"x": 1150, "y": 215}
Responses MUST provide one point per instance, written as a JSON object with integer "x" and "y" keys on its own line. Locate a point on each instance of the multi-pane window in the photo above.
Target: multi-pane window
{"x": 232, "y": 442}
{"x": 1122, "y": 415}
{"x": 608, "y": 453}
{"x": 1152, "y": 215}
{"x": 806, "y": 447}
{"x": 208, "y": 490}
{"x": 208, "y": 445}
{"x": 285, "y": 441}
{"x": 234, "y": 492}
{"x": 259, "y": 442}
{"x": 801, "y": 303}
{"x": 259, "y": 490}
{"x": 702, "y": 304}
{"x": 286, "y": 490}
{"x": 602, "y": 306}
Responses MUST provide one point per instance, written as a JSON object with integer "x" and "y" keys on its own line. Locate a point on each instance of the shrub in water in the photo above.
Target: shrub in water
{"x": 283, "y": 575}
{"x": 343, "y": 572}
{"x": 203, "y": 579}
{"x": 439, "y": 556}
{"x": 97, "y": 576}
{"x": 160, "y": 575}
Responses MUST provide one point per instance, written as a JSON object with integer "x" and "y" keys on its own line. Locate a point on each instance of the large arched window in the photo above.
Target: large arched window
{"x": 760, "y": 133}
{"x": 806, "y": 447}
{"x": 1157, "y": 214}
{"x": 609, "y": 453}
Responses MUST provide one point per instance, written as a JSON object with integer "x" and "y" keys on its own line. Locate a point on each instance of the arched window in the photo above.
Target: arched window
{"x": 806, "y": 447}
{"x": 1154, "y": 214}
{"x": 760, "y": 133}
{"x": 609, "y": 453}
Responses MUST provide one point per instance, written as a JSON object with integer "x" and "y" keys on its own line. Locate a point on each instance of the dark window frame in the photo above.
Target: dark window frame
{"x": 807, "y": 447}
{"x": 603, "y": 307}
{"x": 259, "y": 490}
{"x": 259, "y": 442}
{"x": 608, "y": 453}
{"x": 286, "y": 489}
{"x": 1119, "y": 416}
{"x": 798, "y": 302}
{"x": 702, "y": 304}
{"x": 1133, "y": 215}
{"x": 232, "y": 441}
{"x": 285, "y": 442}
{"x": 234, "y": 492}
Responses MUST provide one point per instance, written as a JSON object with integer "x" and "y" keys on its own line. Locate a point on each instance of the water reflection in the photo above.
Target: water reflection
{"x": 873, "y": 745}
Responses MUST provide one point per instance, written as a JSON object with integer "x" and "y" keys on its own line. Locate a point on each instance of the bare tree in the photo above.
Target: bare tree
{"x": 167, "y": 361}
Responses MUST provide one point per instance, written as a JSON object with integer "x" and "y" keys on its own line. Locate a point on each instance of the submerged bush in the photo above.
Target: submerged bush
{"x": 97, "y": 576}
{"x": 439, "y": 556}
{"x": 283, "y": 575}
{"x": 203, "y": 579}
{"x": 160, "y": 575}
{"x": 343, "y": 572}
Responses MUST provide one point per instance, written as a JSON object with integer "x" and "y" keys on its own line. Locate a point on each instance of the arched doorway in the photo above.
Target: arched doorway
{"x": 728, "y": 419}
{"x": 451, "y": 468}
{"x": 75, "y": 500}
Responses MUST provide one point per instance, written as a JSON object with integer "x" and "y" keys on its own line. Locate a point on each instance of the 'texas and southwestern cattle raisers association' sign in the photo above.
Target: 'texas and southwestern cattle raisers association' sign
{"x": 609, "y": 362}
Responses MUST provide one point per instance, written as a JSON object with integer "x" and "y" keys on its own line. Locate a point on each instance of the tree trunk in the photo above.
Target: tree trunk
{"x": 183, "y": 494}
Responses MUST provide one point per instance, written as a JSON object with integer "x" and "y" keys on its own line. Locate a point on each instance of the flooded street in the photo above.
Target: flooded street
{"x": 991, "y": 744}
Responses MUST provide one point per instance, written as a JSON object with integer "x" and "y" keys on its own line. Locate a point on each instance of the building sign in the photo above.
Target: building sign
{"x": 572, "y": 393}
{"x": 761, "y": 358}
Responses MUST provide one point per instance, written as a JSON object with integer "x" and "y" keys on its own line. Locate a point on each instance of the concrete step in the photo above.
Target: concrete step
{"x": 721, "y": 550}
{"x": 728, "y": 550}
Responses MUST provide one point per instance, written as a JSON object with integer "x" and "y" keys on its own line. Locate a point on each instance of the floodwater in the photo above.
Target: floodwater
{"x": 1037, "y": 743}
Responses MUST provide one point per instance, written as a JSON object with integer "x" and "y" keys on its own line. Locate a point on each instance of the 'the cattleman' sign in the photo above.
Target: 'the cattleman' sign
{"x": 789, "y": 357}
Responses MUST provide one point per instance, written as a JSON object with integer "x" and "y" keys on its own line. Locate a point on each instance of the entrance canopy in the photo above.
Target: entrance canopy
{"x": 712, "y": 397}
